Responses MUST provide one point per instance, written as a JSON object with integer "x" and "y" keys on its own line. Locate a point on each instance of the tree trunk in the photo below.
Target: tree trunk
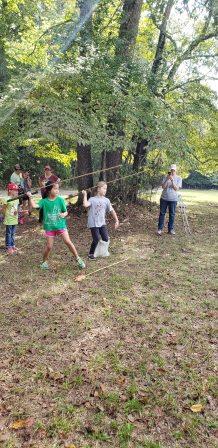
{"x": 84, "y": 166}
{"x": 84, "y": 158}
{"x": 124, "y": 52}
{"x": 140, "y": 157}
{"x": 140, "y": 160}
{"x": 128, "y": 28}
{"x": 103, "y": 176}
{"x": 162, "y": 38}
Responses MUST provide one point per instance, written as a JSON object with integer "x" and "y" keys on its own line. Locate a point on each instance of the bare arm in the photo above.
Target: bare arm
{"x": 86, "y": 203}
{"x": 115, "y": 217}
{"x": 41, "y": 183}
{"x": 174, "y": 186}
{"x": 29, "y": 183}
{"x": 165, "y": 183}
{"x": 63, "y": 214}
{"x": 4, "y": 208}
{"x": 31, "y": 201}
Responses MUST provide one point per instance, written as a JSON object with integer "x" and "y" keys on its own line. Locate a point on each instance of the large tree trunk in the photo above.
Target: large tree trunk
{"x": 140, "y": 160}
{"x": 140, "y": 157}
{"x": 128, "y": 28}
{"x": 84, "y": 166}
{"x": 84, "y": 158}
{"x": 124, "y": 52}
{"x": 162, "y": 39}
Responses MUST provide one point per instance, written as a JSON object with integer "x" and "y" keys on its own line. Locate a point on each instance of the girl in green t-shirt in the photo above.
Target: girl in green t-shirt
{"x": 54, "y": 212}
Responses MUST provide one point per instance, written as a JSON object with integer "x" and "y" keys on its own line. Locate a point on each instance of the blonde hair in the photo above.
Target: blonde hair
{"x": 99, "y": 184}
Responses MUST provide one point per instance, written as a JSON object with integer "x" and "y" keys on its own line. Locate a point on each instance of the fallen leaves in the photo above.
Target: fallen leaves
{"x": 80, "y": 278}
{"x": 22, "y": 424}
{"x": 71, "y": 446}
{"x": 197, "y": 407}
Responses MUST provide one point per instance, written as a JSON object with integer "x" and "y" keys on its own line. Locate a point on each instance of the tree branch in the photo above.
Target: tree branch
{"x": 110, "y": 20}
{"x": 200, "y": 56}
{"x": 46, "y": 32}
{"x": 188, "y": 51}
{"x": 181, "y": 85}
{"x": 162, "y": 38}
{"x": 167, "y": 35}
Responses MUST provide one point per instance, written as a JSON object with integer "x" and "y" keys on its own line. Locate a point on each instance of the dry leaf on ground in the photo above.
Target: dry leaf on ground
{"x": 21, "y": 424}
{"x": 80, "y": 278}
{"x": 197, "y": 407}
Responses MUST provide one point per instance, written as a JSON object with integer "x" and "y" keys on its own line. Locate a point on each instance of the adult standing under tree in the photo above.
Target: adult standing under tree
{"x": 171, "y": 184}
{"x": 47, "y": 176}
{"x": 16, "y": 177}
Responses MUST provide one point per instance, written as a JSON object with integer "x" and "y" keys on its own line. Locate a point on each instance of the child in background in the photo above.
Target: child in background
{"x": 98, "y": 206}
{"x": 54, "y": 212}
{"x": 10, "y": 211}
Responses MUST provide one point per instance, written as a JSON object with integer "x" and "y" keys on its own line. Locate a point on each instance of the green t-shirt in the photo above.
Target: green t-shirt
{"x": 51, "y": 210}
{"x": 11, "y": 212}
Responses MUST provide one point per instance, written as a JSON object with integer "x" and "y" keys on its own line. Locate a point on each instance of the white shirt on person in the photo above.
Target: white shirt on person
{"x": 169, "y": 194}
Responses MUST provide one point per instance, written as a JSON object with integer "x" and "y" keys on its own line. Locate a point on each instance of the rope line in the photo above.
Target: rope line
{"x": 109, "y": 182}
{"x": 69, "y": 178}
{"x": 92, "y": 172}
{"x": 81, "y": 277}
{"x": 75, "y": 195}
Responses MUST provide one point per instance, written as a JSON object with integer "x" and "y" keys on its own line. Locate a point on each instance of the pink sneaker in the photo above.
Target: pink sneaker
{"x": 10, "y": 251}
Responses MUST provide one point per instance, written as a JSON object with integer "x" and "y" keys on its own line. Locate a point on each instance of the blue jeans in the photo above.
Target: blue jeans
{"x": 9, "y": 236}
{"x": 172, "y": 211}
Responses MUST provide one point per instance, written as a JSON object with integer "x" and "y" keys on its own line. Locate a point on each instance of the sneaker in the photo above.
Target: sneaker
{"x": 14, "y": 248}
{"x": 80, "y": 263}
{"x": 159, "y": 232}
{"x": 172, "y": 232}
{"x": 44, "y": 265}
{"x": 91, "y": 257}
{"x": 10, "y": 251}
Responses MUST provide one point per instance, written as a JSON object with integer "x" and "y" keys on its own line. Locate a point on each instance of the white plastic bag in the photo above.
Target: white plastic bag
{"x": 102, "y": 249}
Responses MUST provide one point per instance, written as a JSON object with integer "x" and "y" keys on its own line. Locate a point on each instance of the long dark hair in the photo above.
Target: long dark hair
{"x": 48, "y": 187}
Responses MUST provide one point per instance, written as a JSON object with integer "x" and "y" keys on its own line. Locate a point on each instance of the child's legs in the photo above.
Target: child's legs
{"x": 104, "y": 233}
{"x": 95, "y": 237}
{"x": 48, "y": 247}
{"x": 69, "y": 243}
{"x": 8, "y": 231}
{"x": 30, "y": 208}
{"x": 13, "y": 231}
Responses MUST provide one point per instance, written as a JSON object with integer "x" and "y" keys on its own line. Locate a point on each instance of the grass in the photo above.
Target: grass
{"x": 118, "y": 359}
{"x": 193, "y": 197}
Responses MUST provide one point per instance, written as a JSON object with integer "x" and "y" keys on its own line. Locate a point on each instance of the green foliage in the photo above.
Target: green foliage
{"x": 60, "y": 91}
{"x": 198, "y": 180}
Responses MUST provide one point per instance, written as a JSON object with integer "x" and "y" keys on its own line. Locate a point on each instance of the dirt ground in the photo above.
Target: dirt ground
{"x": 123, "y": 358}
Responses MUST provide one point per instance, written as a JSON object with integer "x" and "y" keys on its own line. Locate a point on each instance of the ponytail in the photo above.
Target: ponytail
{"x": 48, "y": 188}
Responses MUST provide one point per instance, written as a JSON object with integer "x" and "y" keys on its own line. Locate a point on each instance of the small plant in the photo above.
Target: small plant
{"x": 59, "y": 425}
{"x": 133, "y": 405}
{"x": 102, "y": 436}
{"x": 132, "y": 390}
{"x": 112, "y": 399}
{"x": 124, "y": 433}
{"x": 149, "y": 444}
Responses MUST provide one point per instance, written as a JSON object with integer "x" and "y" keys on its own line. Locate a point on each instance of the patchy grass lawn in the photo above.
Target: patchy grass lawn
{"x": 118, "y": 359}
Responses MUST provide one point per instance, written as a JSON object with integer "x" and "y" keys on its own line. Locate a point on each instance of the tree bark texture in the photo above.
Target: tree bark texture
{"x": 124, "y": 51}
{"x": 84, "y": 158}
